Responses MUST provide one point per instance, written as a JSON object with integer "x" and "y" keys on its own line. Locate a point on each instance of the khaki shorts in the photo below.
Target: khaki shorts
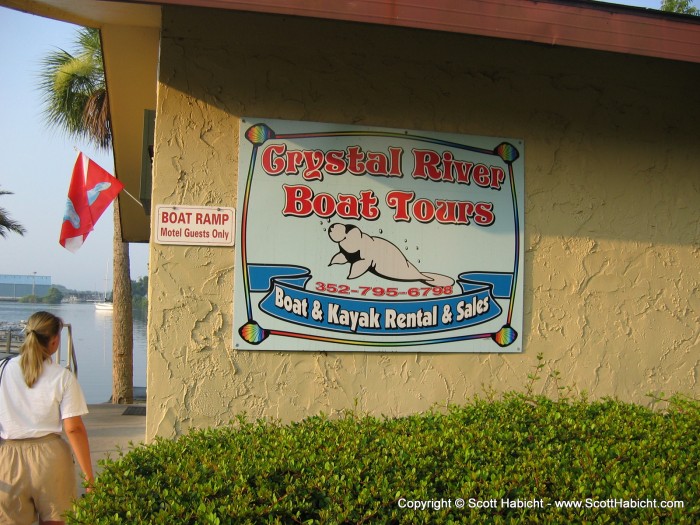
{"x": 37, "y": 476}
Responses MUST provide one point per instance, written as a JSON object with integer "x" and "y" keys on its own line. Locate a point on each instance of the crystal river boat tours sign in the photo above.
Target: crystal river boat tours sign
{"x": 371, "y": 239}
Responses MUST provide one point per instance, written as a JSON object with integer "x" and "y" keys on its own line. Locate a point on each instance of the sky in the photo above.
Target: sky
{"x": 37, "y": 163}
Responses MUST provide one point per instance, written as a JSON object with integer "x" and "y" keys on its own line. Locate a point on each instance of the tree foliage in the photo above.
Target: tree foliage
{"x": 7, "y": 224}
{"x": 54, "y": 296}
{"x": 139, "y": 288}
{"x": 680, "y": 6}
{"x": 139, "y": 295}
{"x": 75, "y": 92}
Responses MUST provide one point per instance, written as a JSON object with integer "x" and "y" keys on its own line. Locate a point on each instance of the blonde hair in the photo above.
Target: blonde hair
{"x": 41, "y": 327}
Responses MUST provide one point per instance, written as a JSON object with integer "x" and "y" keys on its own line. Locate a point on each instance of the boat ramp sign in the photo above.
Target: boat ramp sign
{"x": 195, "y": 225}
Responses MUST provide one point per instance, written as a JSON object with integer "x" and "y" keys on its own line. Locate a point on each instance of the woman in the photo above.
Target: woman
{"x": 37, "y": 475}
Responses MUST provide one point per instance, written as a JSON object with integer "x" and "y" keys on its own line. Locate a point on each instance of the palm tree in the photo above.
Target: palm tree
{"x": 75, "y": 93}
{"x": 6, "y": 223}
{"x": 76, "y": 102}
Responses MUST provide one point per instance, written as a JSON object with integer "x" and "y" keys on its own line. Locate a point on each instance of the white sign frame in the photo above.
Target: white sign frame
{"x": 448, "y": 206}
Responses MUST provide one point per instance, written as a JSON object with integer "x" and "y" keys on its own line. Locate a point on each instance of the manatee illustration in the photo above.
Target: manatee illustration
{"x": 70, "y": 215}
{"x": 94, "y": 193}
{"x": 376, "y": 255}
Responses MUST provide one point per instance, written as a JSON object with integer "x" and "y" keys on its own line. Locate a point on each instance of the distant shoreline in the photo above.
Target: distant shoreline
{"x": 19, "y": 300}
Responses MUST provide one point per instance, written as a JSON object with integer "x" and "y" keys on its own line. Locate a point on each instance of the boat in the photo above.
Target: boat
{"x": 104, "y": 306}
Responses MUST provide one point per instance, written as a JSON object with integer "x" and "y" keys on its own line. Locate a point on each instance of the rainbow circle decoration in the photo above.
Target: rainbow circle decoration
{"x": 259, "y": 134}
{"x": 505, "y": 336}
{"x": 507, "y": 152}
{"x": 253, "y": 333}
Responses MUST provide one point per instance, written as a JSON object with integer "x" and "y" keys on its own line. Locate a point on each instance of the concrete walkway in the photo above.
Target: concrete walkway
{"x": 109, "y": 429}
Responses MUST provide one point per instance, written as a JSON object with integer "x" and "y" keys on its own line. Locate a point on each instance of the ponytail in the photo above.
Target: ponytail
{"x": 41, "y": 327}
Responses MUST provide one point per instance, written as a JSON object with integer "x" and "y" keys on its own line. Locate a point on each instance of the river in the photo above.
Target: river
{"x": 92, "y": 340}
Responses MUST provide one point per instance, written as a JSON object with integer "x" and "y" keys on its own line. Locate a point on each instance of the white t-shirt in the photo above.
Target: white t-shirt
{"x": 38, "y": 411}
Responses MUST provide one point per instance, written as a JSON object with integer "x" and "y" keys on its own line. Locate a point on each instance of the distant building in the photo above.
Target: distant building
{"x": 16, "y": 286}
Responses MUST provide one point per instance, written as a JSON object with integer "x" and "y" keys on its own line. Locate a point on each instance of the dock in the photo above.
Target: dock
{"x": 11, "y": 338}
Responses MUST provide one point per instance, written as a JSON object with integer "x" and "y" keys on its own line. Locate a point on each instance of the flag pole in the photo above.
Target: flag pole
{"x": 135, "y": 199}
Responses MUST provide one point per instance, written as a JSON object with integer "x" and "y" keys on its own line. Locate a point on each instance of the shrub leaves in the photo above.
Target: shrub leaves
{"x": 357, "y": 469}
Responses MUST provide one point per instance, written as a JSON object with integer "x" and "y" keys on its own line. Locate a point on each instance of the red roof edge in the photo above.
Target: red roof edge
{"x": 574, "y": 23}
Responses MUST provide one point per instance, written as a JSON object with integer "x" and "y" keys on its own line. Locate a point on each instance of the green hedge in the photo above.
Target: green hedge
{"x": 522, "y": 448}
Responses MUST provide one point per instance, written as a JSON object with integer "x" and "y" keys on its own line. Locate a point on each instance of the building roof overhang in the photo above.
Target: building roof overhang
{"x": 585, "y": 24}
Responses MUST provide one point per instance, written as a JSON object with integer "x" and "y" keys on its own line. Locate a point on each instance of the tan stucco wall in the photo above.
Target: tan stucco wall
{"x": 612, "y": 234}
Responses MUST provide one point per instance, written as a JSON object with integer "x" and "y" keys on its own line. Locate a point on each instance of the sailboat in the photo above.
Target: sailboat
{"x": 105, "y": 305}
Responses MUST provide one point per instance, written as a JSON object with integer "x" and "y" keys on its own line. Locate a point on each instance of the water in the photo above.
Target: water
{"x": 92, "y": 340}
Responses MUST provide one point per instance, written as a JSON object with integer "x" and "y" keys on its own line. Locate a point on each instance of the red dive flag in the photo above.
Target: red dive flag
{"x": 91, "y": 192}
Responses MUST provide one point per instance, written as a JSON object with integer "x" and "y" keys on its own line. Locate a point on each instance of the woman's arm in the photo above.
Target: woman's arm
{"x": 78, "y": 439}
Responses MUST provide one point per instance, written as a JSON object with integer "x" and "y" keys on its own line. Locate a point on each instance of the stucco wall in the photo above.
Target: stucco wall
{"x": 612, "y": 181}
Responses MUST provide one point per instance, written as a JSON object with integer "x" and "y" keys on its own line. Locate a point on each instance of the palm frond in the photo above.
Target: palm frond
{"x": 96, "y": 118}
{"x": 6, "y": 223}
{"x": 90, "y": 43}
{"x": 74, "y": 90}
